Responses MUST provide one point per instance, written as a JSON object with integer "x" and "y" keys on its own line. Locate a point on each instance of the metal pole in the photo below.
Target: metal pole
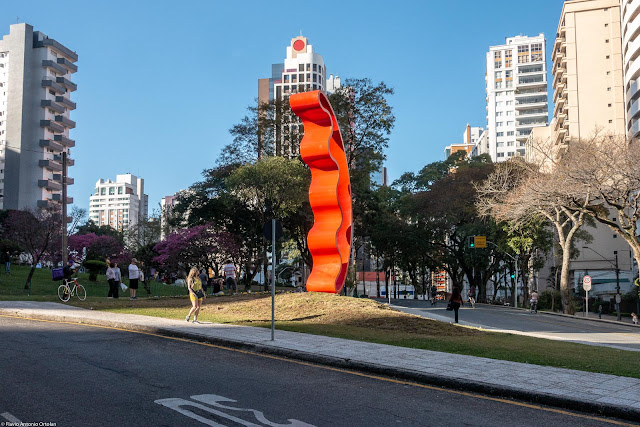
{"x": 515, "y": 287}
{"x": 273, "y": 278}
{"x": 617, "y": 287}
{"x": 65, "y": 254}
{"x": 586, "y": 309}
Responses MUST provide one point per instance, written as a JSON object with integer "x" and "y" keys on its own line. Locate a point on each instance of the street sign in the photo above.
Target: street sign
{"x": 618, "y": 299}
{"x": 481, "y": 241}
{"x": 586, "y": 283}
{"x": 267, "y": 230}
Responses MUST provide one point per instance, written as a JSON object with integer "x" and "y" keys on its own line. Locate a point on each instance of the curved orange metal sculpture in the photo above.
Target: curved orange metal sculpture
{"x": 322, "y": 150}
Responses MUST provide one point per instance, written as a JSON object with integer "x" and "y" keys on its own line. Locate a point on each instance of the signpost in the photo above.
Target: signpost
{"x": 586, "y": 285}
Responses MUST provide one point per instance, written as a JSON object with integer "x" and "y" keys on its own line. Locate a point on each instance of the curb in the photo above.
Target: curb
{"x": 461, "y": 384}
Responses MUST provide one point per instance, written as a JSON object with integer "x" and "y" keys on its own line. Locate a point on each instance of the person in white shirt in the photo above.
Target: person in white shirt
{"x": 230, "y": 275}
{"x": 111, "y": 278}
{"x": 134, "y": 275}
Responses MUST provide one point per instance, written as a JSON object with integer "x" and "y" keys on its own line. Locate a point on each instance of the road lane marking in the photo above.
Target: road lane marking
{"x": 7, "y": 416}
{"x": 178, "y": 404}
{"x": 330, "y": 368}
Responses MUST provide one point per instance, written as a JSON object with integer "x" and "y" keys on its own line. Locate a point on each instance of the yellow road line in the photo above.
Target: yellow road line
{"x": 360, "y": 374}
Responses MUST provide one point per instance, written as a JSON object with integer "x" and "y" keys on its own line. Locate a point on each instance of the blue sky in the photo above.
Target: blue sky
{"x": 161, "y": 82}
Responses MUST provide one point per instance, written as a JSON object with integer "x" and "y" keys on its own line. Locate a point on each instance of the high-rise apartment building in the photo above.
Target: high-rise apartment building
{"x": 120, "y": 204}
{"x": 587, "y": 71}
{"x": 303, "y": 70}
{"x": 631, "y": 64}
{"x": 516, "y": 85}
{"x": 35, "y": 104}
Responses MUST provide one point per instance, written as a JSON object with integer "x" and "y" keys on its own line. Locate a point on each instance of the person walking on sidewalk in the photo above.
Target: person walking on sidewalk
{"x": 634, "y": 318}
{"x": 434, "y": 295}
{"x": 600, "y": 311}
{"x": 455, "y": 301}
{"x": 134, "y": 275}
{"x": 472, "y": 296}
{"x": 111, "y": 278}
{"x": 534, "y": 302}
{"x": 196, "y": 295}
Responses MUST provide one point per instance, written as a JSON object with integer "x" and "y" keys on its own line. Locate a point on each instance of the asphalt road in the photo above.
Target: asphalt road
{"x": 74, "y": 375}
{"x": 525, "y": 323}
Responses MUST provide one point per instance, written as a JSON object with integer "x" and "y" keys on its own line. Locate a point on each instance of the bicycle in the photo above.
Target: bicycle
{"x": 65, "y": 292}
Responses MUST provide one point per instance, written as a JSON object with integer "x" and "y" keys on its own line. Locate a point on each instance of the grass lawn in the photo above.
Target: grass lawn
{"x": 336, "y": 316}
{"x": 45, "y": 289}
{"x": 367, "y": 320}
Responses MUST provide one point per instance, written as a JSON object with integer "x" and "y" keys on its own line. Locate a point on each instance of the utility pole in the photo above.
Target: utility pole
{"x": 65, "y": 255}
{"x": 617, "y": 287}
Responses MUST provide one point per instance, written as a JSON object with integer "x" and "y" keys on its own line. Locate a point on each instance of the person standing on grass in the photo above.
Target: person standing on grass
{"x": 455, "y": 301}
{"x": 111, "y": 278}
{"x": 134, "y": 275}
{"x": 7, "y": 262}
{"x": 204, "y": 279}
{"x": 194, "y": 285}
{"x": 230, "y": 275}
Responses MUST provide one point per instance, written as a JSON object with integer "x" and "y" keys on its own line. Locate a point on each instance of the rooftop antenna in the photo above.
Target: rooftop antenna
{"x": 300, "y": 32}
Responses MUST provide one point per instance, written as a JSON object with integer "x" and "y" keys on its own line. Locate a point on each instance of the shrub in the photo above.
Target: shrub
{"x": 548, "y": 297}
{"x": 95, "y": 267}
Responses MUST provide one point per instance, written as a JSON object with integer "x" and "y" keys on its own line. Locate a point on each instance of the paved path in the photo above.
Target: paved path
{"x": 608, "y": 333}
{"x": 607, "y": 394}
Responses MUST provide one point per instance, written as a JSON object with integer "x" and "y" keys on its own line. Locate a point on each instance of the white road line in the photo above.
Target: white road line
{"x": 7, "y": 416}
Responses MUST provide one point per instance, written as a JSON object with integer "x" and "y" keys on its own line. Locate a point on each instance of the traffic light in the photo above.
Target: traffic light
{"x": 513, "y": 275}
{"x": 477, "y": 241}
{"x": 472, "y": 241}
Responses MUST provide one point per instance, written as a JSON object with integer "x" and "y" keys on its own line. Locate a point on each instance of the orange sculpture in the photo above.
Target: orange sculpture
{"x": 322, "y": 149}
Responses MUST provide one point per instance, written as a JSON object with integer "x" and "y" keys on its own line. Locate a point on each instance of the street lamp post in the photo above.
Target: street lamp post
{"x": 515, "y": 287}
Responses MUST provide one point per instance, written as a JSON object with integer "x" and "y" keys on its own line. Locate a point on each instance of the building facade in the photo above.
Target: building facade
{"x": 303, "y": 70}
{"x": 587, "y": 71}
{"x": 35, "y": 106}
{"x": 471, "y": 138}
{"x": 120, "y": 204}
{"x": 516, "y": 86}
{"x": 630, "y": 29}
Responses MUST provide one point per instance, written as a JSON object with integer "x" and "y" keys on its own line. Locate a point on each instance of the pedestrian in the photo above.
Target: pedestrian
{"x": 455, "y": 301}
{"x": 472, "y": 296}
{"x": 134, "y": 275}
{"x": 434, "y": 295}
{"x": 196, "y": 295}
{"x": 117, "y": 278}
{"x": 204, "y": 279}
{"x": 634, "y": 318}
{"x": 230, "y": 276}
{"x": 111, "y": 278}
{"x": 7, "y": 262}
{"x": 600, "y": 311}
{"x": 534, "y": 302}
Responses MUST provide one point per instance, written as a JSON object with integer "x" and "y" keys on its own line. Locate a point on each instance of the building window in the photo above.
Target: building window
{"x": 103, "y": 191}
{"x": 499, "y": 133}
{"x": 608, "y": 105}
{"x": 498, "y": 124}
{"x": 500, "y": 155}
{"x": 508, "y": 58}
{"x": 608, "y": 72}
{"x": 308, "y": 67}
{"x": 498, "y": 85}
{"x": 606, "y": 41}
{"x": 608, "y": 89}
{"x": 315, "y": 67}
{"x": 286, "y": 78}
{"x": 610, "y": 121}
{"x": 500, "y": 144}
{"x": 119, "y": 190}
{"x": 510, "y": 133}
{"x": 498, "y": 113}
{"x": 607, "y": 57}
{"x": 606, "y": 25}
{"x": 301, "y": 67}
{"x": 509, "y": 143}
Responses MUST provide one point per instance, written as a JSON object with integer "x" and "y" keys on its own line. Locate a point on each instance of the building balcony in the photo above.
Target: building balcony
{"x": 70, "y": 181}
{"x": 49, "y": 184}
{"x": 52, "y": 165}
{"x": 50, "y": 84}
{"x": 520, "y": 125}
{"x": 542, "y": 112}
{"x": 51, "y": 125}
{"x": 58, "y": 47}
{"x": 47, "y": 103}
{"x": 70, "y": 66}
{"x": 55, "y": 146}
{"x": 70, "y": 162}
{"x": 47, "y": 63}
{"x": 66, "y": 102}
{"x": 68, "y": 123}
{"x": 67, "y": 83}
{"x": 634, "y": 108}
{"x": 634, "y": 130}
{"x": 532, "y": 83}
{"x": 531, "y": 91}
{"x": 61, "y": 139}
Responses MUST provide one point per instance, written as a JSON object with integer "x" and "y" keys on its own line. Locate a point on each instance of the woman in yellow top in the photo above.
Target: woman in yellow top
{"x": 194, "y": 285}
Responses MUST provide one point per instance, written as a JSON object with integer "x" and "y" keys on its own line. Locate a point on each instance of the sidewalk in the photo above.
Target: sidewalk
{"x": 584, "y": 391}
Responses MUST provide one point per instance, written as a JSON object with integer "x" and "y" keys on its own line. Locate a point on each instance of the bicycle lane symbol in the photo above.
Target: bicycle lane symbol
{"x": 181, "y": 405}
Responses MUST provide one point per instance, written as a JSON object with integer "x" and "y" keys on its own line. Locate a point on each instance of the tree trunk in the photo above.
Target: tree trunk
{"x": 564, "y": 277}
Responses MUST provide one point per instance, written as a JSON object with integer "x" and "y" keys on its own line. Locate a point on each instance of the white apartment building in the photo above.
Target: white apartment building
{"x": 120, "y": 204}
{"x": 630, "y": 22}
{"x": 516, "y": 82}
{"x": 35, "y": 105}
{"x": 303, "y": 70}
